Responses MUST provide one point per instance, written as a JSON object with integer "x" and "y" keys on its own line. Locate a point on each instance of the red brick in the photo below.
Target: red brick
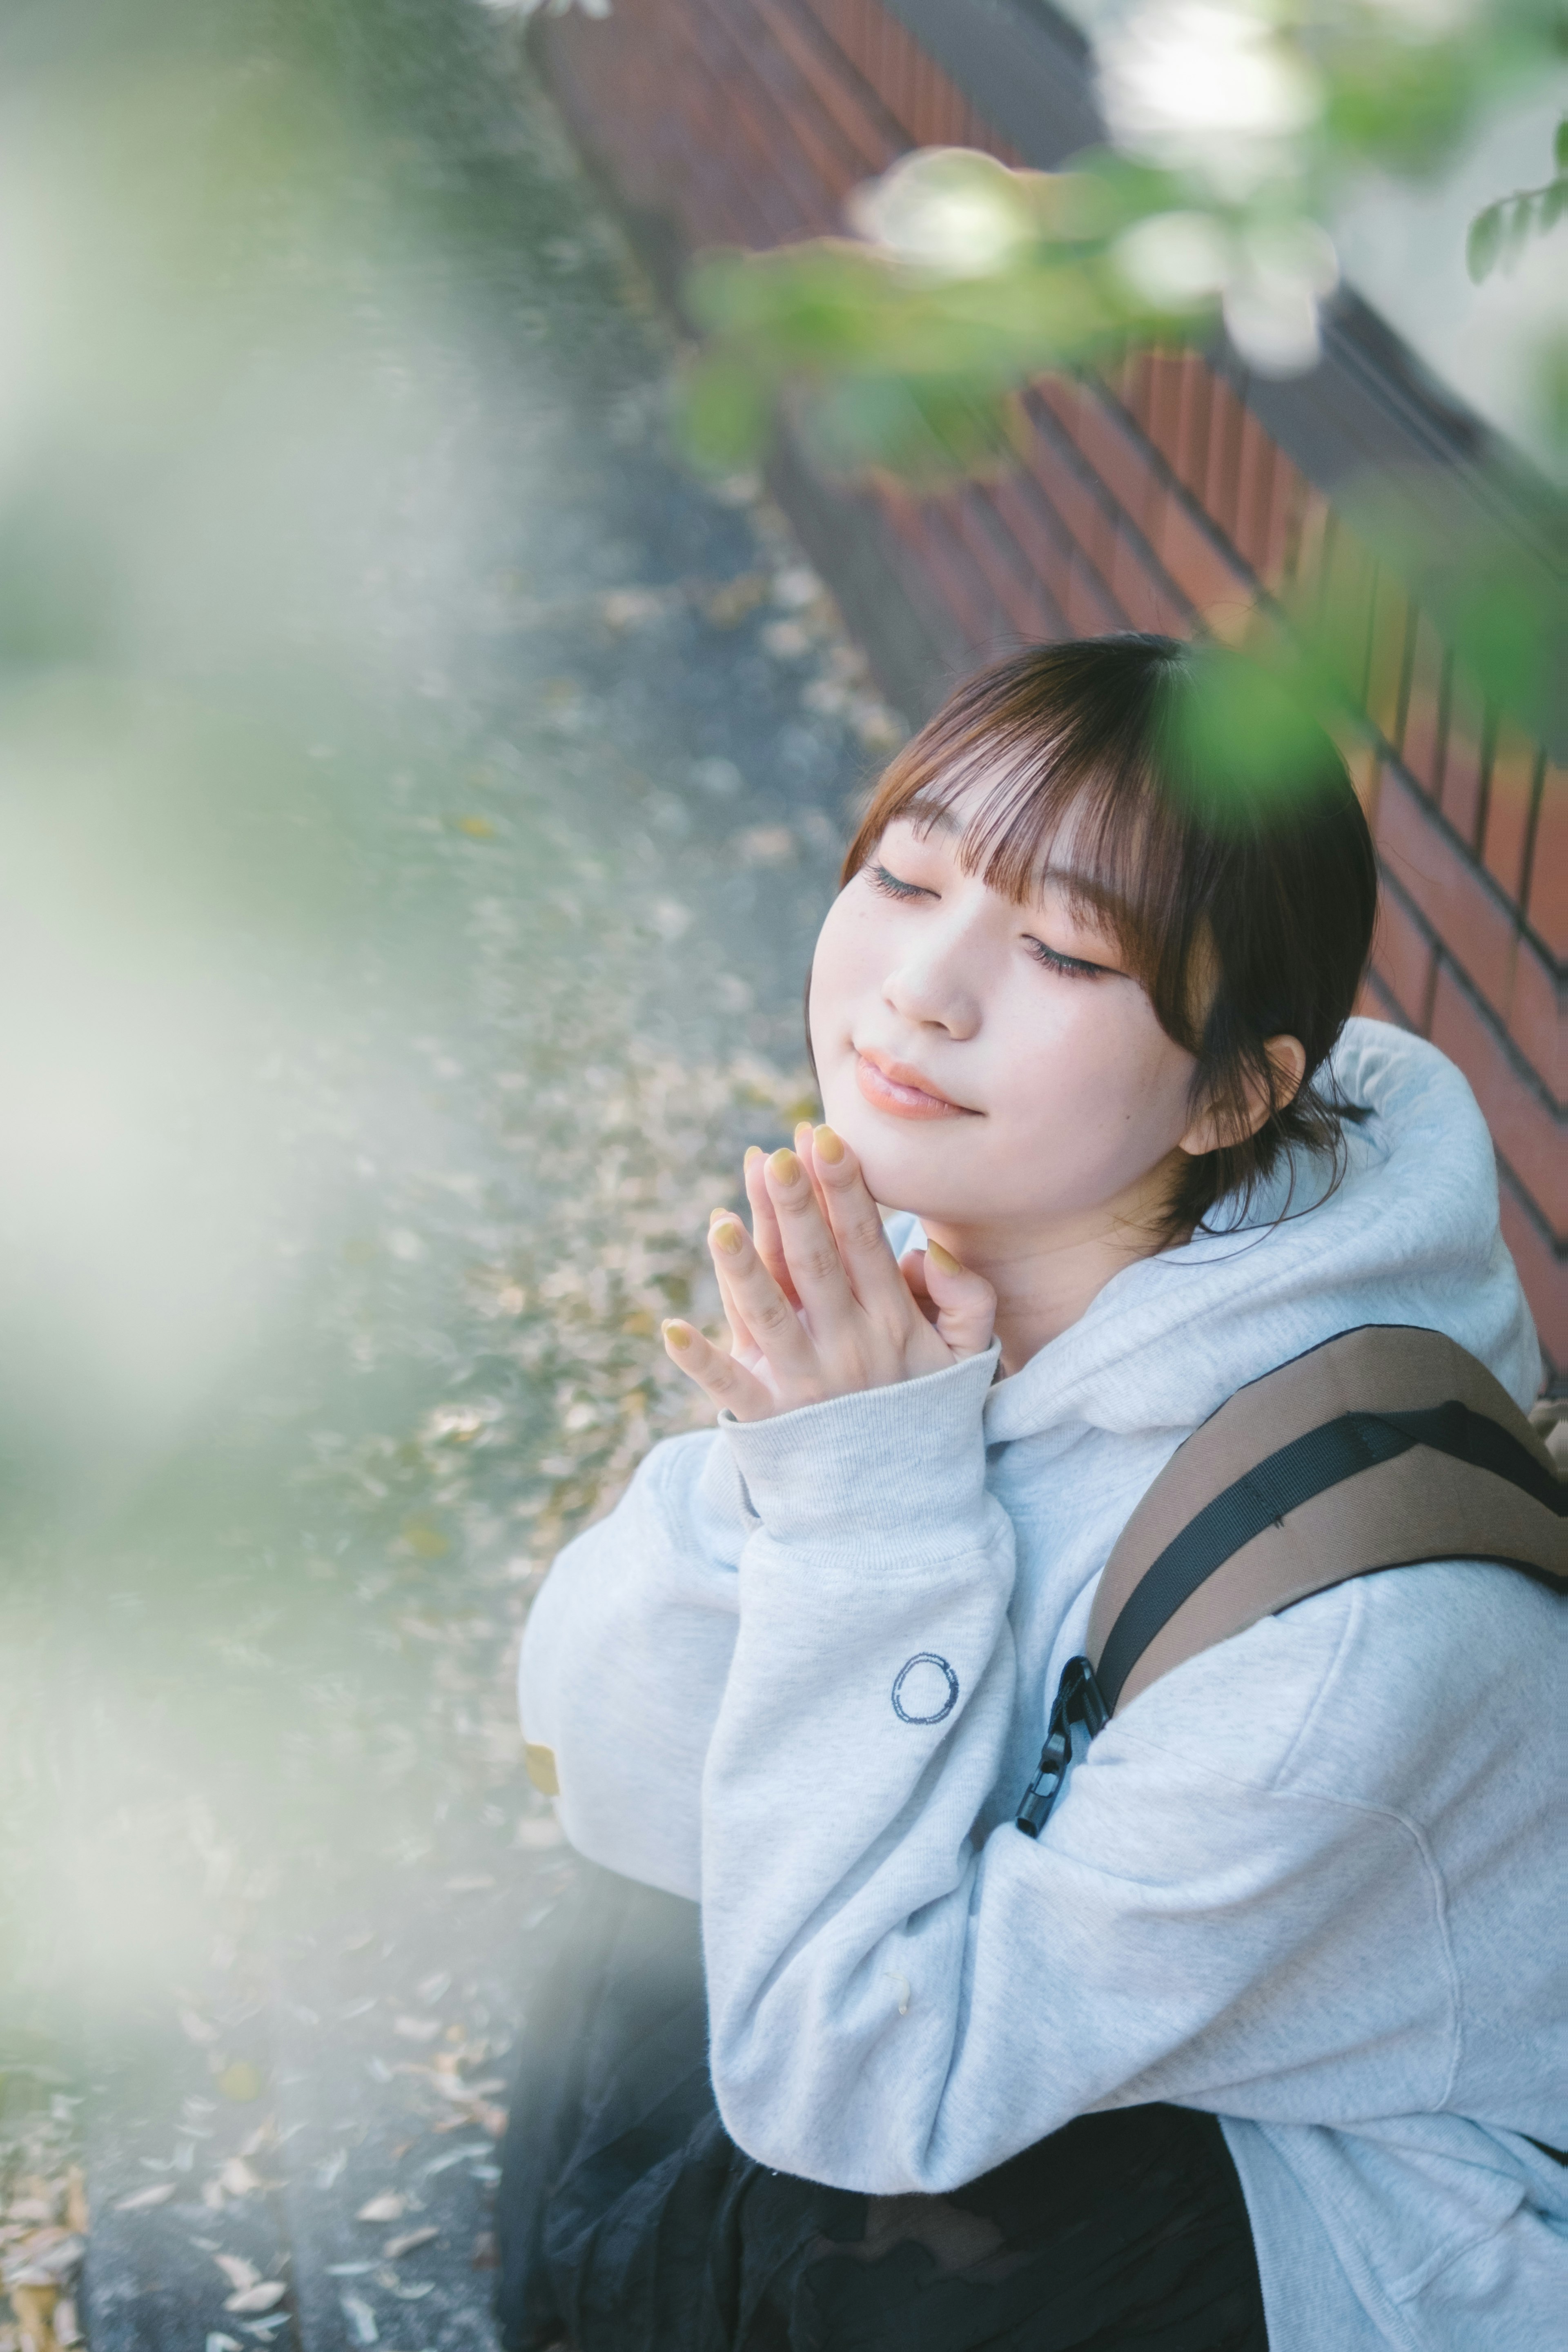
{"x": 1522, "y": 1127}
{"x": 1421, "y": 739}
{"x": 1313, "y": 535}
{"x": 1544, "y": 1273}
{"x": 1345, "y": 610}
{"x": 1163, "y": 421}
{"x": 867, "y": 134}
{"x": 1391, "y": 624}
{"x": 1437, "y": 874}
{"x": 1255, "y": 492}
{"x": 1140, "y": 590}
{"x": 1043, "y": 537}
{"x": 930, "y": 538}
{"x": 1548, "y": 907}
{"x": 1404, "y": 959}
{"x": 1192, "y": 459}
{"x": 1510, "y": 792}
{"x": 1463, "y": 758}
{"x": 1287, "y": 489}
{"x": 1084, "y": 516}
{"x": 1221, "y": 490}
{"x": 1112, "y": 450}
{"x": 1536, "y": 1020}
{"x": 1005, "y": 568}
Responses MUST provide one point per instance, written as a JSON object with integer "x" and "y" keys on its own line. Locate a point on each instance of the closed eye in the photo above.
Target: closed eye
{"x": 892, "y": 887}
{"x": 1074, "y": 967}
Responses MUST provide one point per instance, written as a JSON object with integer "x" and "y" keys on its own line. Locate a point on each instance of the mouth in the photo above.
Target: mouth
{"x": 904, "y": 1092}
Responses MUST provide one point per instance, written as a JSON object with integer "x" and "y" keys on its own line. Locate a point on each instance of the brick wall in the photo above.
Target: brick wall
{"x": 1150, "y": 498}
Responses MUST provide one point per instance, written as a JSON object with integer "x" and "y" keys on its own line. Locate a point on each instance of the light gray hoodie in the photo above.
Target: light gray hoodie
{"x": 1305, "y": 1882}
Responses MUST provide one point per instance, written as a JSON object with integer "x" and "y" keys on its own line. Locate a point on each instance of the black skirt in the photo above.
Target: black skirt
{"x": 630, "y": 2222}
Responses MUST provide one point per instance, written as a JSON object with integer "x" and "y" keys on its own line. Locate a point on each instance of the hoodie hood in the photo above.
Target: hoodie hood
{"x": 1410, "y": 1236}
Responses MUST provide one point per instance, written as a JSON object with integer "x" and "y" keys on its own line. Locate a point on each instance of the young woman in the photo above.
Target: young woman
{"x": 1251, "y": 2047}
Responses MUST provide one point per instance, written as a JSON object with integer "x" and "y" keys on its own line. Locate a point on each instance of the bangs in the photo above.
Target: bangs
{"x": 1042, "y": 786}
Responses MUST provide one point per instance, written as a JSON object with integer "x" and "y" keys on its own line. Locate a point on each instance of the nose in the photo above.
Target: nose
{"x": 936, "y": 983}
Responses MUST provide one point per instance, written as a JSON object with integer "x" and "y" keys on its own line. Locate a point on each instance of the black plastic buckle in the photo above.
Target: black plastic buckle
{"x": 1078, "y": 1705}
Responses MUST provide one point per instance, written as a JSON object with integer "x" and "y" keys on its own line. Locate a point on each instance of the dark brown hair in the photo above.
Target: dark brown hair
{"x": 1215, "y": 827}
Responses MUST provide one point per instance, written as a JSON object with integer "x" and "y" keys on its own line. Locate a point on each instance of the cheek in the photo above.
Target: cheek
{"x": 1102, "y": 1076}
{"x": 842, "y": 968}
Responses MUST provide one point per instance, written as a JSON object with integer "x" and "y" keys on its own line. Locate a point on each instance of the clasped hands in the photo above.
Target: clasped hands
{"x": 816, "y": 1303}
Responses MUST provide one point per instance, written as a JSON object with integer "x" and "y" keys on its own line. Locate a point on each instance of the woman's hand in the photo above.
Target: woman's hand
{"x": 818, "y": 1305}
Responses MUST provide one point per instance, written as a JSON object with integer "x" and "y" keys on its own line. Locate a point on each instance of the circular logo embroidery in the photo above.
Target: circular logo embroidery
{"x": 926, "y": 1689}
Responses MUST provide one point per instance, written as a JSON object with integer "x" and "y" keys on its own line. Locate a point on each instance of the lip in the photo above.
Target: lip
{"x": 902, "y": 1091}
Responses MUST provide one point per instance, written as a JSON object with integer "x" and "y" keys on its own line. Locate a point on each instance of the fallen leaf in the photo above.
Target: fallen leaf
{"x": 236, "y": 2179}
{"x": 34, "y": 2307}
{"x": 159, "y": 2194}
{"x": 417, "y": 2029}
{"x": 361, "y": 2319}
{"x": 263, "y": 2297}
{"x": 197, "y": 2026}
{"x": 388, "y": 2207}
{"x": 216, "y": 2343}
{"x": 239, "y": 2274}
{"x": 405, "y": 2244}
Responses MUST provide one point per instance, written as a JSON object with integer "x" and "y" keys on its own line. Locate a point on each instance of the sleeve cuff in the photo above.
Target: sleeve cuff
{"x": 866, "y": 1467}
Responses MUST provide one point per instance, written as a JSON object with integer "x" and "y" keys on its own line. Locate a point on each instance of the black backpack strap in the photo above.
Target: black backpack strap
{"x": 1383, "y": 1447}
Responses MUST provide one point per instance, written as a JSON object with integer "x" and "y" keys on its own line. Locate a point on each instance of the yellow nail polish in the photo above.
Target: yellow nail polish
{"x": 680, "y": 1335}
{"x": 754, "y": 1151}
{"x": 784, "y": 1166}
{"x": 727, "y": 1235}
{"x": 829, "y": 1147}
{"x": 943, "y": 1260}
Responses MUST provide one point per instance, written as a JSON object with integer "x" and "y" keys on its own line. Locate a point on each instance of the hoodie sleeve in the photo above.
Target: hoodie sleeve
{"x": 624, "y": 1660}
{"x": 895, "y": 2010}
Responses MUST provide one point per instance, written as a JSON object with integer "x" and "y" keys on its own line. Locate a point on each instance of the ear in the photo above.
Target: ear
{"x": 1221, "y": 1126}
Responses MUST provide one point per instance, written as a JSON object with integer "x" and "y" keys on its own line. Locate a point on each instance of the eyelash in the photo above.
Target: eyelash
{"x": 1071, "y": 967}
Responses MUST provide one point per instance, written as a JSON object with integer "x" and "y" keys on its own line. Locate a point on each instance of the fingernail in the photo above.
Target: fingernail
{"x": 727, "y": 1236}
{"x": 680, "y": 1335}
{"x": 754, "y": 1151}
{"x": 784, "y": 1166}
{"x": 943, "y": 1260}
{"x": 714, "y": 1215}
{"x": 829, "y": 1147}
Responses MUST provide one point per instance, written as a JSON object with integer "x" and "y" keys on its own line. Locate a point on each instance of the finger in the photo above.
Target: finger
{"x": 740, "y": 1339}
{"x": 725, "y": 1383}
{"x": 965, "y": 1302}
{"x": 806, "y": 1153}
{"x": 808, "y": 1242}
{"x": 765, "y": 1232}
{"x": 912, "y": 1266}
{"x": 857, "y": 1224}
{"x": 773, "y": 1320}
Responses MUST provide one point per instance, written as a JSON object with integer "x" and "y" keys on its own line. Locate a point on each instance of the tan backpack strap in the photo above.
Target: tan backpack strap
{"x": 1384, "y": 1446}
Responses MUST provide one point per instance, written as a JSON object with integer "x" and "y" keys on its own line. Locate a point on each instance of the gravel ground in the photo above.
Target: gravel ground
{"x": 567, "y": 743}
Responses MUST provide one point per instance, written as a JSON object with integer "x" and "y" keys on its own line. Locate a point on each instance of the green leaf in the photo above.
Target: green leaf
{"x": 1484, "y": 244}
{"x": 1559, "y": 145}
{"x": 724, "y": 415}
{"x": 1554, "y": 204}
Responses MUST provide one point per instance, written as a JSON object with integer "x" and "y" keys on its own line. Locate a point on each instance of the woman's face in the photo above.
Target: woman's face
{"x": 994, "y": 1065}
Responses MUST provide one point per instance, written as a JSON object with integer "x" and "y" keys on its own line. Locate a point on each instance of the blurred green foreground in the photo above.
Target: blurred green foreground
{"x": 417, "y": 798}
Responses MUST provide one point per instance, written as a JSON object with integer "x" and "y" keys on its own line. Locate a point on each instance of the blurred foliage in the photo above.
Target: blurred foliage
{"x": 1500, "y": 233}
{"x": 1236, "y": 126}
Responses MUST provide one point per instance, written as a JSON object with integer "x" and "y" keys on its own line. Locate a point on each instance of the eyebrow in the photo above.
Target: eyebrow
{"x": 936, "y": 816}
